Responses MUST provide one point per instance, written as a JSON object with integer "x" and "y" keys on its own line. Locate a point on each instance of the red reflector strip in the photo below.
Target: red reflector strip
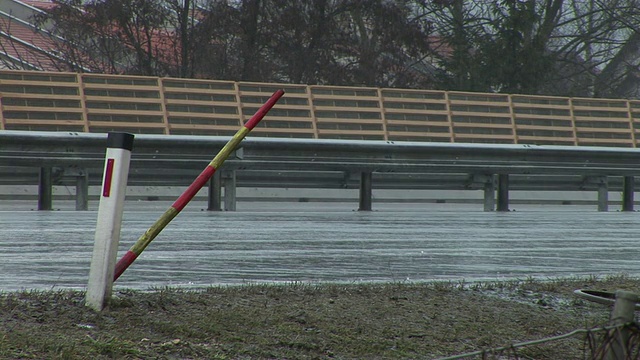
{"x": 108, "y": 177}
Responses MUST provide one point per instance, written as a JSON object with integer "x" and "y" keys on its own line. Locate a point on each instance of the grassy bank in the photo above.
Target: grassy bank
{"x": 306, "y": 321}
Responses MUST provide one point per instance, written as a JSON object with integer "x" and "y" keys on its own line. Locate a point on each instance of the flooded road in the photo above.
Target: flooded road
{"x": 307, "y": 242}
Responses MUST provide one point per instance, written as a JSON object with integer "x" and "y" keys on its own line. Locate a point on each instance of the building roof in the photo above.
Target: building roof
{"x": 23, "y": 46}
{"x": 40, "y": 4}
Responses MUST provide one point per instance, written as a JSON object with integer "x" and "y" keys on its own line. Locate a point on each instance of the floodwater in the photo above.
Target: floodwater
{"x": 322, "y": 243}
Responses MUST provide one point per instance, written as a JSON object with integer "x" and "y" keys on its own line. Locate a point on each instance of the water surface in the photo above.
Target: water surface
{"x": 307, "y": 242}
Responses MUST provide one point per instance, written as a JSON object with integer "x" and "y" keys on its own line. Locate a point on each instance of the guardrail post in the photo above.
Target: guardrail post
{"x": 45, "y": 189}
{"x": 489, "y": 193}
{"x": 603, "y": 194}
{"x": 623, "y": 313}
{"x": 230, "y": 190}
{"x": 105, "y": 248}
{"x": 82, "y": 191}
{"x": 365, "y": 191}
{"x": 628, "y": 187}
{"x": 503, "y": 192}
{"x": 215, "y": 193}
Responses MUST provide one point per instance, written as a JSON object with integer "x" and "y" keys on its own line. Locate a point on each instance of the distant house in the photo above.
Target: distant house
{"x": 22, "y": 45}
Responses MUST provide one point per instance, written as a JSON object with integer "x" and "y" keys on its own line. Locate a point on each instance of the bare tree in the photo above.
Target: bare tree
{"x": 144, "y": 37}
{"x": 557, "y": 47}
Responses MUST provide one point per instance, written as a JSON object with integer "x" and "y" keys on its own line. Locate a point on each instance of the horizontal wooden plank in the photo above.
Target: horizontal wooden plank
{"x": 296, "y": 119}
{"x": 415, "y": 111}
{"x": 42, "y": 122}
{"x": 115, "y": 77}
{"x": 351, "y": 132}
{"x": 480, "y": 114}
{"x": 604, "y": 130}
{"x": 412, "y": 91}
{"x": 39, "y": 83}
{"x": 186, "y": 115}
{"x": 568, "y": 139}
{"x": 418, "y": 123}
{"x": 122, "y": 100}
{"x": 481, "y": 125}
{"x": 602, "y": 119}
{"x": 622, "y": 110}
{"x": 203, "y": 127}
{"x": 48, "y": 109}
{"x": 388, "y": 100}
{"x": 122, "y": 87}
{"x": 291, "y": 107}
{"x": 345, "y": 97}
{"x": 123, "y": 124}
{"x": 348, "y": 121}
{"x": 541, "y": 106}
{"x": 604, "y": 141}
{"x": 543, "y": 127}
{"x": 543, "y": 117}
{"x": 483, "y": 136}
{"x": 476, "y": 94}
{"x": 283, "y": 130}
{"x": 231, "y": 104}
{"x": 537, "y": 97}
{"x": 179, "y": 90}
{"x": 420, "y": 134}
{"x": 347, "y": 109}
{"x": 460, "y": 102}
{"x": 36, "y": 96}
{"x": 269, "y": 92}
{"x": 124, "y": 112}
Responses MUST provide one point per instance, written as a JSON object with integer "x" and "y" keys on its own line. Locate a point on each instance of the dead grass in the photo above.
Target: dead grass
{"x": 306, "y": 321}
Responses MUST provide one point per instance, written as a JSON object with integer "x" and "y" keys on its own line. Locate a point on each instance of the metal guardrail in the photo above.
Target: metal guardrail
{"x": 265, "y": 162}
{"x": 28, "y": 148}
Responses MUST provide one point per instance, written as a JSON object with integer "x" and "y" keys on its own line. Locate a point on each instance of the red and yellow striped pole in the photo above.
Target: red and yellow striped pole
{"x": 193, "y": 189}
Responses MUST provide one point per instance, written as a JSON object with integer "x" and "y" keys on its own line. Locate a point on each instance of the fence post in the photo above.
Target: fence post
{"x": 82, "y": 190}
{"x": 215, "y": 193}
{"x": 503, "y": 192}
{"x": 365, "y": 191}
{"x": 230, "y": 190}
{"x": 105, "y": 248}
{"x": 628, "y": 187}
{"x": 623, "y": 313}
{"x": 45, "y": 191}
{"x": 489, "y": 190}
{"x": 603, "y": 194}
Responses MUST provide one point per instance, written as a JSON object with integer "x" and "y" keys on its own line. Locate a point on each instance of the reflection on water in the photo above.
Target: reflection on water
{"x": 41, "y": 250}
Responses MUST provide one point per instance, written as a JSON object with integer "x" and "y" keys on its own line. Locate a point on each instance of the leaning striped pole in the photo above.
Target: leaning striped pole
{"x": 144, "y": 240}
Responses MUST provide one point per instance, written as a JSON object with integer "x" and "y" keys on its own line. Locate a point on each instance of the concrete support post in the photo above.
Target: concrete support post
{"x": 365, "y": 191}
{"x": 229, "y": 190}
{"x": 215, "y": 193}
{"x": 489, "y": 193}
{"x": 603, "y": 194}
{"x": 105, "y": 248}
{"x": 628, "y": 187}
{"x": 503, "y": 192}
{"x": 45, "y": 189}
{"x": 82, "y": 191}
{"x": 623, "y": 313}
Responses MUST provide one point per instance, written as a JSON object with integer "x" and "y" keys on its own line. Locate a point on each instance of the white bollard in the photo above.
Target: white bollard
{"x": 107, "y": 238}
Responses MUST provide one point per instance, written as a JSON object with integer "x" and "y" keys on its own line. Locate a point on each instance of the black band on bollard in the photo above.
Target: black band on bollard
{"x": 119, "y": 140}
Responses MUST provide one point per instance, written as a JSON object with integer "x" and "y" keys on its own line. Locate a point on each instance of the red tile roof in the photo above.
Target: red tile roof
{"x": 40, "y": 4}
{"x": 26, "y": 44}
